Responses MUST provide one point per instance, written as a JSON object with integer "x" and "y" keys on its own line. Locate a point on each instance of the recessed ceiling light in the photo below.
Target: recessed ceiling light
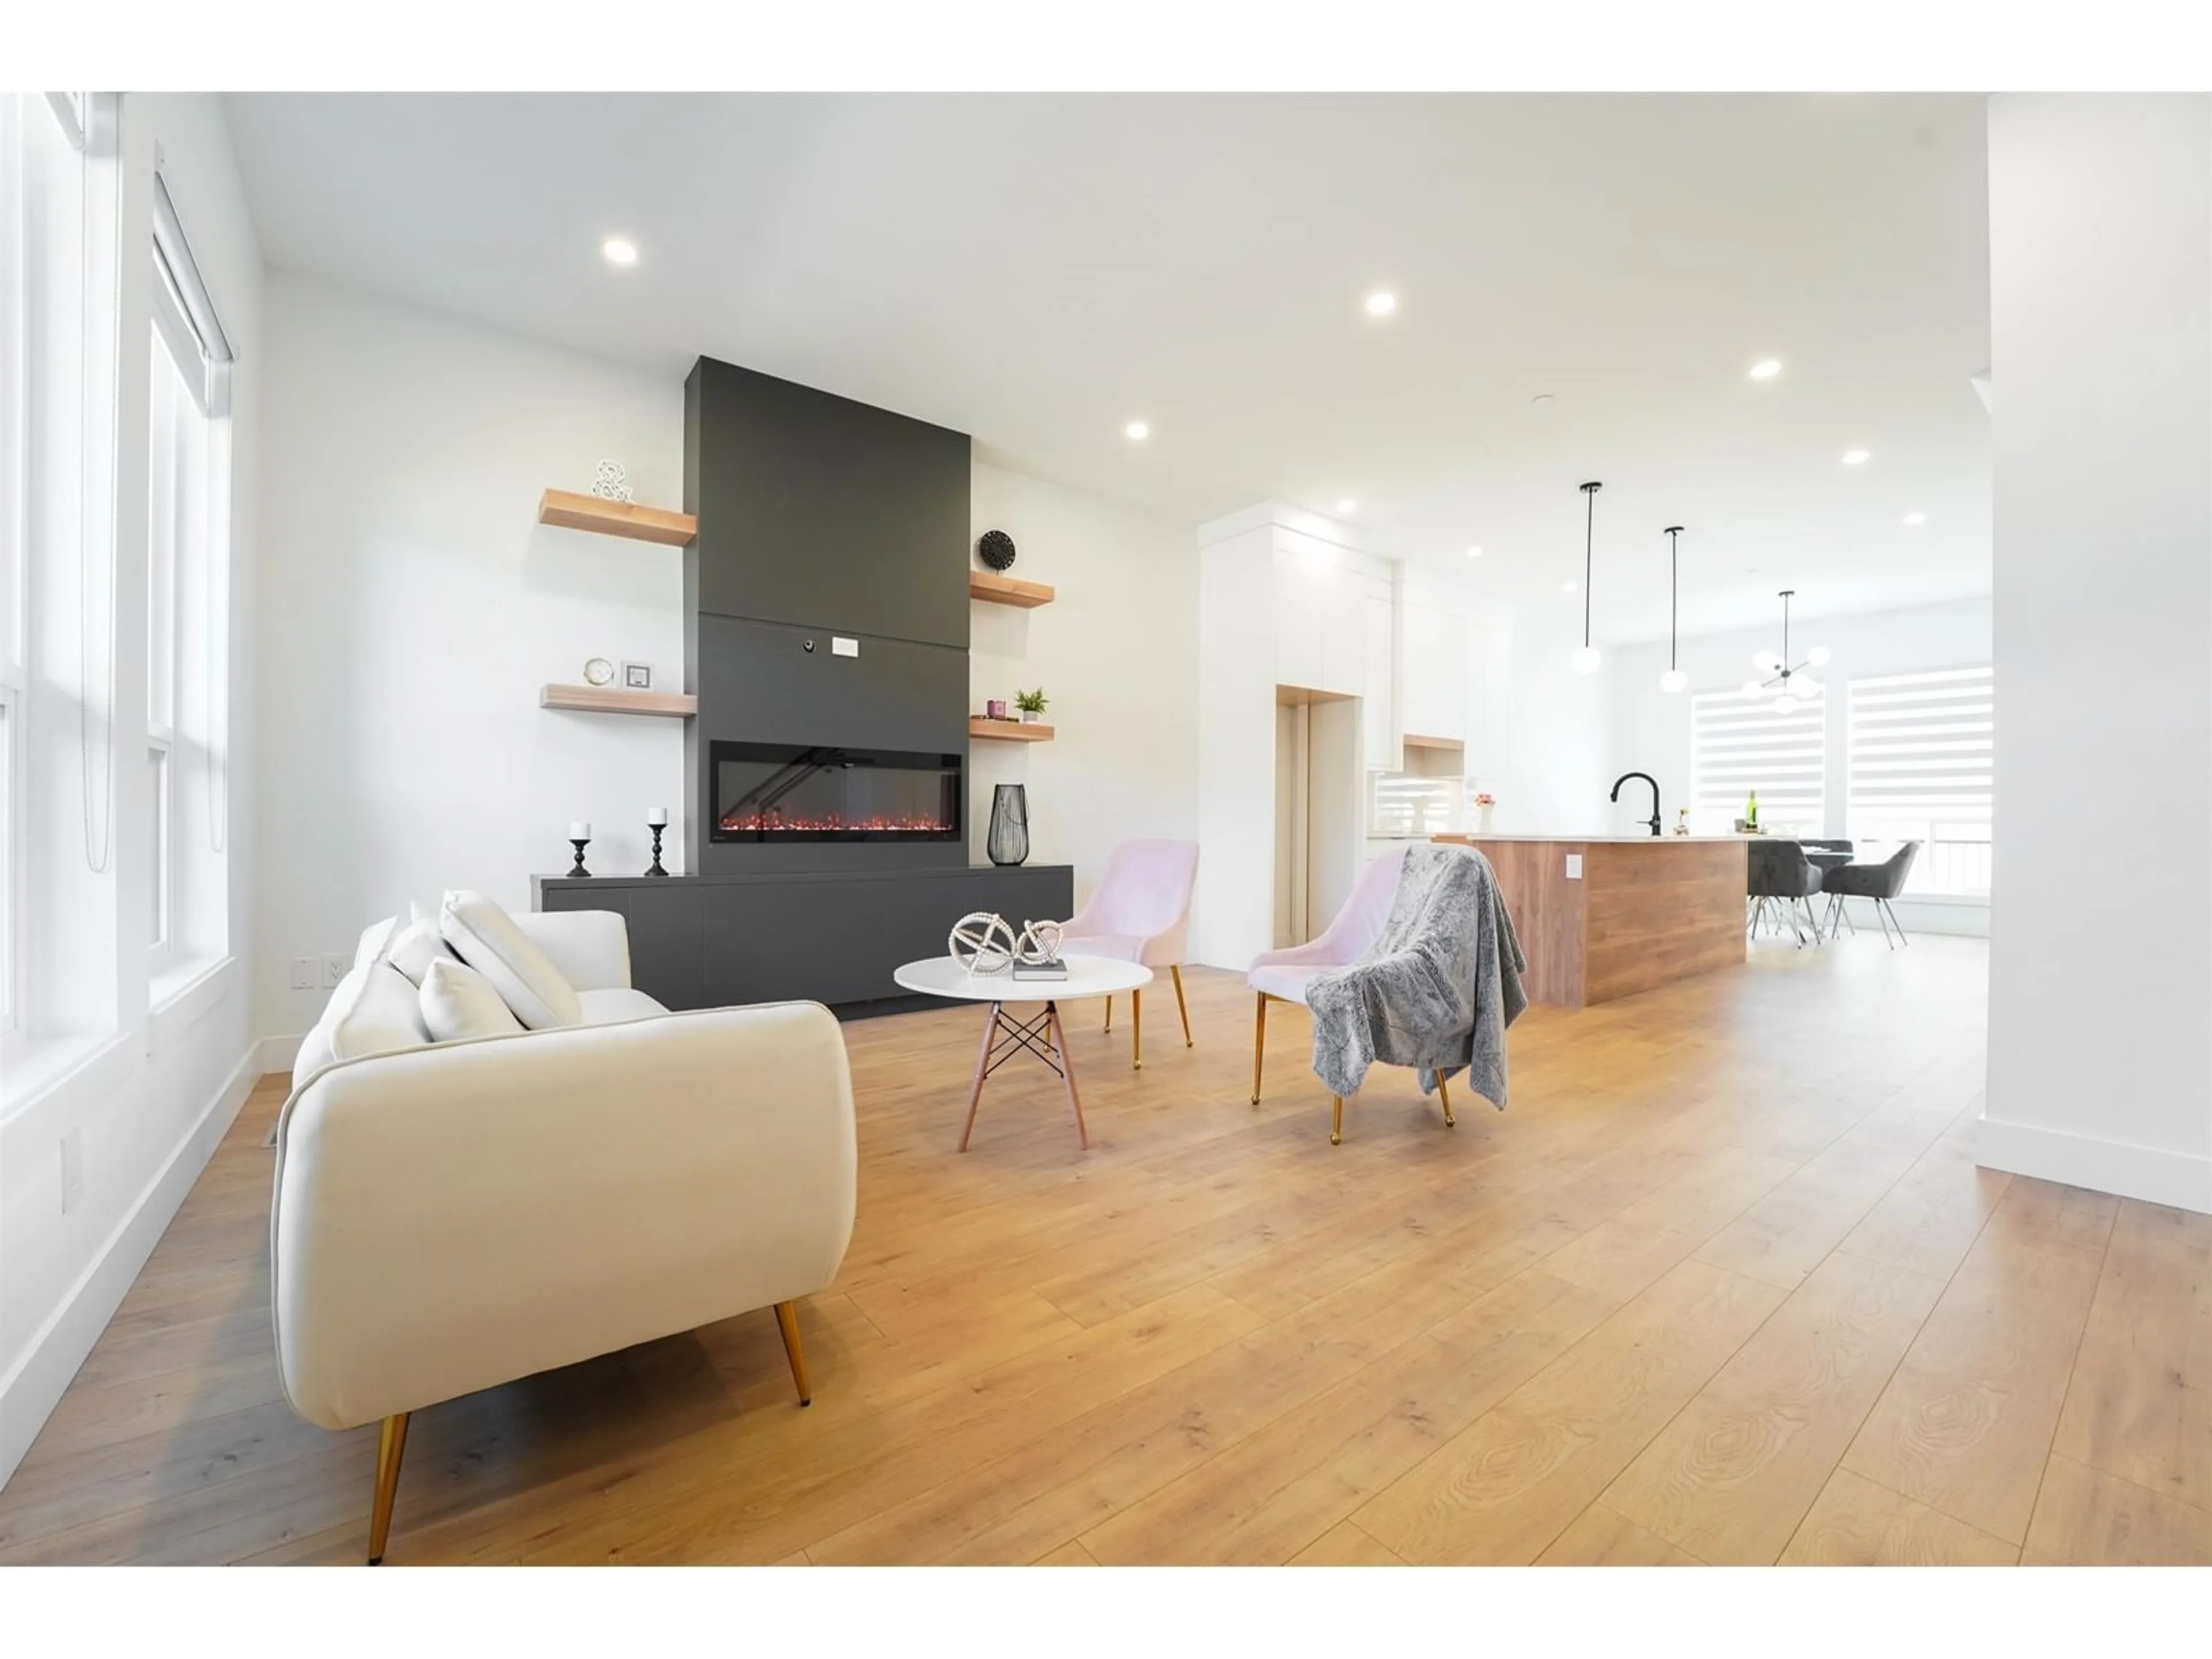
{"x": 1473, "y": 552}
{"x": 1569, "y": 587}
{"x": 1382, "y": 303}
{"x": 1347, "y": 505}
{"x": 1765, "y": 368}
{"x": 1137, "y": 432}
{"x": 1916, "y": 518}
{"x": 1857, "y": 457}
{"x": 619, "y": 250}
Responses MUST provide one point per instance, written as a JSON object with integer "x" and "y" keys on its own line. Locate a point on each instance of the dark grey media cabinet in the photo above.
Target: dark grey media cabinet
{"x": 829, "y": 936}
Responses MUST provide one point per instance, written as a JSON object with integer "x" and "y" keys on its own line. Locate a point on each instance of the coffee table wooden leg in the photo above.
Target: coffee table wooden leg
{"x": 983, "y": 1065}
{"x": 1067, "y": 1074}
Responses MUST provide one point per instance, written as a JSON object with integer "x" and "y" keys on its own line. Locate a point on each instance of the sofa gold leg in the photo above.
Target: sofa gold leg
{"x": 1444, "y": 1094}
{"x": 390, "y": 1445}
{"x": 1181, "y": 1007}
{"x": 1110, "y": 1014}
{"x": 786, "y": 1321}
{"x": 1336, "y": 1121}
{"x": 1136, "y": 1030}
{"x": 1259, "y": 1045}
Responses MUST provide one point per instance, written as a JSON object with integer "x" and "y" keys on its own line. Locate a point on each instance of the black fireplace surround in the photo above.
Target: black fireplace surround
{"x": 826, "y": 618}
{"x": 768, "y": 792}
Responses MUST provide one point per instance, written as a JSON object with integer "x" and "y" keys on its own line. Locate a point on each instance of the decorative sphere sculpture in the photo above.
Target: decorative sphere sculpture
{"x": 982, "y": 942}
{"x": 1040, "y": 942}
{"x": 611, "y": 484}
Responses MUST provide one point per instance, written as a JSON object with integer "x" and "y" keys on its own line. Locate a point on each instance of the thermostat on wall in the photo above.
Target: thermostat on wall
{"x": 841, "y": 646}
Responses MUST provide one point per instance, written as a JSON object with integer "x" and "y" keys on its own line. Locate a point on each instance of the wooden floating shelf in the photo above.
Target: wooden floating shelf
{"x": 570, "y": 511}
{"x": 1007, "y": 731}
{"x": 995, "y": 589}
{"x": 606, "y": 700}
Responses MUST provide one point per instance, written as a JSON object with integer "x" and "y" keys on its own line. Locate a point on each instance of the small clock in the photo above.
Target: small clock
{"x": 598, "y": 671}
{"x": 996, "y": 549}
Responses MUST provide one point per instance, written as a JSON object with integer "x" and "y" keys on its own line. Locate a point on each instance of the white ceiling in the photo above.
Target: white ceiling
{"x": 1038, "y": 270}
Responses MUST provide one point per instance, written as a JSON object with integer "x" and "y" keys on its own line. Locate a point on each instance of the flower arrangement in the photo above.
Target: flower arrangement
{"x": 1032, "y": 703}
{"x": 1485, "y": 800}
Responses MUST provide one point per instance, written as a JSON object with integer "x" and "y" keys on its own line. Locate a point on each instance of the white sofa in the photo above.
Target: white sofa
{"x": 452, "y": 1216}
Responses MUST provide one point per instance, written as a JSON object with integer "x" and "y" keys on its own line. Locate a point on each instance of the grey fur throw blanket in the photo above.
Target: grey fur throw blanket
{"x": 1436, "y": 990}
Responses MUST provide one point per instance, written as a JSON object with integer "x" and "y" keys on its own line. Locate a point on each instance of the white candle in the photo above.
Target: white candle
{"x": 580, "y": 830}
{"x": 657, "y": 818}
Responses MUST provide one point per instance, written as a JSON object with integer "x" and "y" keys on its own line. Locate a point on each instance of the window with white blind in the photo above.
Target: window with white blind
{"x": 1741, "y": 746}
{"x": 186, "y": 556}
{"x": 1920, "y": 748}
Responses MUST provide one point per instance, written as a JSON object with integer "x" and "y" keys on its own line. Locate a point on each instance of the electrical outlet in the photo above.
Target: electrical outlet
{"x": 303, "y": 973}
{"x": 72, "y": 1171}
{"x": 1574, "y": 866}
{"x": 336, "y": 966}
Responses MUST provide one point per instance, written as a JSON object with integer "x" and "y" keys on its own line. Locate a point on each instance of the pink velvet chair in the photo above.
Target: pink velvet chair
{"x": 1282, "y": 975}
{"x": 1139, "y": 912}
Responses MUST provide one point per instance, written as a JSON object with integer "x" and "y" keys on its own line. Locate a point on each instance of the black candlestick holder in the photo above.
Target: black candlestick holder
{"x": 656, "y": 870}
{"x": 578, "y": 870}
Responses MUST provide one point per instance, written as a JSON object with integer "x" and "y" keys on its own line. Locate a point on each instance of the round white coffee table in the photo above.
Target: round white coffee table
{"x": 1041, "y": 1035}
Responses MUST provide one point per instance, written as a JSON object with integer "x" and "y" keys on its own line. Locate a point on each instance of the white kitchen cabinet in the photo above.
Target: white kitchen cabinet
{"x": 1433, "y": 674}
{"x": 1301, "y": 609}
{"x": 1489, "y": 690}
{"x": 1379, "y": 695}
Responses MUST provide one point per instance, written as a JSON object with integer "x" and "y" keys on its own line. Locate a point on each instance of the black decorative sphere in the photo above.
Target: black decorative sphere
{"x": 996, "y": 549}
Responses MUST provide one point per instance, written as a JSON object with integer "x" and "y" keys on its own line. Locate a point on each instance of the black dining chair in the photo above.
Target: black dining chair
{"x": 1781, "y": 878}
{"x": 1879, "y": 882}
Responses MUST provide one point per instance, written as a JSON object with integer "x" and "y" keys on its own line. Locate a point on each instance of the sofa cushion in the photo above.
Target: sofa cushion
{"x": 460, "y": 1002}
{"x": 485, "y": 937}
{"x": 418, "y": 945}
{"x": 374, "y": 1011}
{"x": 616, "y": 1003}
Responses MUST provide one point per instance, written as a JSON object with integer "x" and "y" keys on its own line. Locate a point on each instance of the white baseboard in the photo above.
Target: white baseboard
{"x": 277, "y": 1053}
{"x": 29, "y": 1393}
{"x": 2179, "y": 1180}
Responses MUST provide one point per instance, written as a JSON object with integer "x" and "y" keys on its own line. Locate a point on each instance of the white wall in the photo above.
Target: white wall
{"x": 1232, "y": 914}
{"x": 1116, "y": 652}
{"x": 418, "y": 605}
{"x": 1559, "y": 752}
{"x": 412, "y": 606}
{"x": 1651, "y": 730}
{"x": 149, "y": 1094}
{"x": 2101, "y": 964}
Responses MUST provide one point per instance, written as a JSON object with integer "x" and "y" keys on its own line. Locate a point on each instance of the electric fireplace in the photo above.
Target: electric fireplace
{"x": 765, "y": 792}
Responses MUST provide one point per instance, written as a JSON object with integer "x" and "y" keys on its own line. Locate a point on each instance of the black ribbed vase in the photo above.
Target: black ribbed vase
{"x": 1009, "y": 842}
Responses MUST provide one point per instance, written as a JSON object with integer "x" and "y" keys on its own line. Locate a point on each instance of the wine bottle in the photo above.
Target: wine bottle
{"x": 1751, "y": 812}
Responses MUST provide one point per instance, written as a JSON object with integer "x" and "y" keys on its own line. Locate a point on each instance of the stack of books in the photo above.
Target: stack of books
{"x": 1054, "y": 967}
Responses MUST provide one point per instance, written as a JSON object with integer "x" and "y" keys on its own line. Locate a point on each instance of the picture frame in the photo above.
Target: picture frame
{"x": 637, "y": 677}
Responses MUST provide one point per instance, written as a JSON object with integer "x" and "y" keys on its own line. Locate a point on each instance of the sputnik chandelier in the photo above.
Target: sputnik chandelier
{"x": 1787, "y": 684}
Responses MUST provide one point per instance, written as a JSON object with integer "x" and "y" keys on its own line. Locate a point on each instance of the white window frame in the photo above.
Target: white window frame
{"x": 1960, "y": 757}
{"x": 1736, "y": 741}
{"x": 187, "y": 333}
{"x": 15, "y": 563}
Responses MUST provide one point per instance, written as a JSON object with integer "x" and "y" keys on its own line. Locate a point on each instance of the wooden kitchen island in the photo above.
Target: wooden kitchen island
{"x": 1606, "y": 916}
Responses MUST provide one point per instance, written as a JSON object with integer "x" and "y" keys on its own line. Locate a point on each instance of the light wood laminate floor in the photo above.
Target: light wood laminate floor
{"x": 1724, "y": 1285}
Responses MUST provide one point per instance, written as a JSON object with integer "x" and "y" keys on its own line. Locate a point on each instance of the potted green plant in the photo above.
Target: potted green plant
{"x": 1032, "y": 705}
